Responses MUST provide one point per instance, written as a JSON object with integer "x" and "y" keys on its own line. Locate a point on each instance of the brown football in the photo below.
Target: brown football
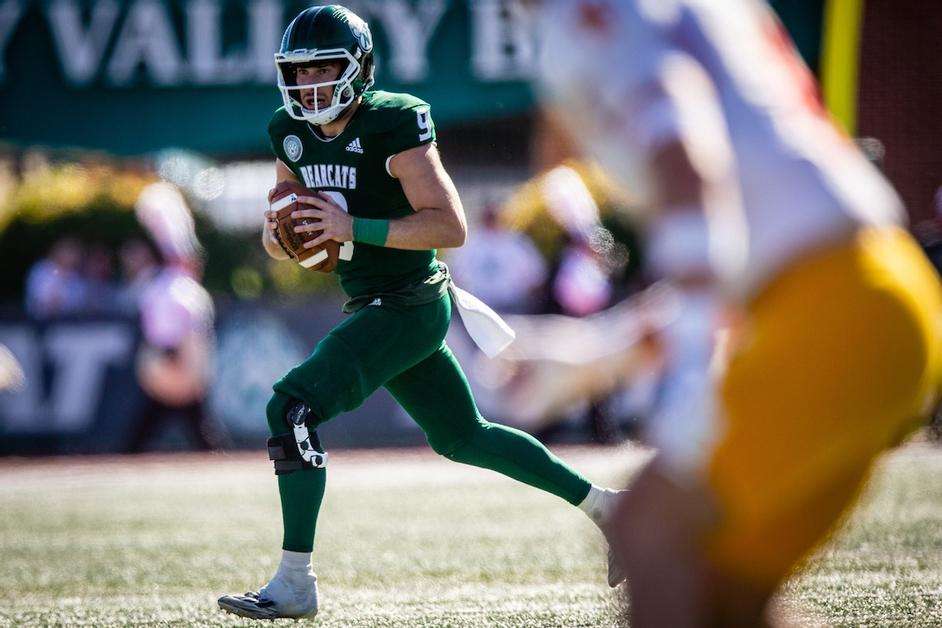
{"x": 283, "y": 199}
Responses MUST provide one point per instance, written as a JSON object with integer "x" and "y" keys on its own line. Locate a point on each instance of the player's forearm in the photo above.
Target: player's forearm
{"x": 427, "y": 229}
{"x": 282, "y": 173}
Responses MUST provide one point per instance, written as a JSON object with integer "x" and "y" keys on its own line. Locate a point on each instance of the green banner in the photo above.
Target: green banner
{"x": 142, "y": 75}
{"x": 136, "y": 76}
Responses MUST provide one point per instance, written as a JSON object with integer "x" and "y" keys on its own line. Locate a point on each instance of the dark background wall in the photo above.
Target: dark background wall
{"x": 900, "y": 95}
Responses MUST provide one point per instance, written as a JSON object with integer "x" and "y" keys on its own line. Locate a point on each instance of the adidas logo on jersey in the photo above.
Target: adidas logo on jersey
{"x": 354, "y": 146}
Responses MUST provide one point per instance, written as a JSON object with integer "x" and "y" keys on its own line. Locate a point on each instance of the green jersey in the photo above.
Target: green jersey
{"x": 352, "y": 167}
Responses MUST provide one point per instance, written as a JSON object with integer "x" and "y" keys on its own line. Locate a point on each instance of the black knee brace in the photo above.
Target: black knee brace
{"x": 298, "y": 449}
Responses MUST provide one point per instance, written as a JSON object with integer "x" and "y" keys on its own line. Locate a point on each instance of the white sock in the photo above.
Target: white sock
{"x": 598, "y": 504}
{"x": 294, "y": 586}
{"x": 295, "y": 565}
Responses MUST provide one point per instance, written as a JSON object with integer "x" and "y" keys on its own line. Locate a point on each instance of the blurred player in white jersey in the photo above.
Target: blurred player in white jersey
{"x": 764, "y": 213}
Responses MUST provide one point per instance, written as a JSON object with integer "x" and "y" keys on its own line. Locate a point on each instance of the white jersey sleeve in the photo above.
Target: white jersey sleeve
{"x": 622, "y": 90}
{"x": 800, "y": 181}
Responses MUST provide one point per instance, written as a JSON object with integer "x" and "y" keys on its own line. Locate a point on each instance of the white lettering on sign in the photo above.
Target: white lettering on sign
{"x": 207, "y": 63}
{"x": 146, "y": 39}
{"x": 503, "y": 41}
{"x": 265, "y": 26}
{"x": 81, "y": 49}
{"x": 208, "y": 66}
{"x": 142, "y": 40}
{"x": 22, "y": 409}
{"x": 409, "y": 31}
{"x": 80, "y": 354}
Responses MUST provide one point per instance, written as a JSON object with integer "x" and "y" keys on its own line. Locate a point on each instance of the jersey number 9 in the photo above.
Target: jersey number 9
{"x": 424, "y": 126}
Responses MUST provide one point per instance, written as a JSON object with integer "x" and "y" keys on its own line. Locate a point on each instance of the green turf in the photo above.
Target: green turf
{"x": 405, "y": 539}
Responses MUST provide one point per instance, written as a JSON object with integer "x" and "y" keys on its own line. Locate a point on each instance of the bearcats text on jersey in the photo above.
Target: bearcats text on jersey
{"x": 329, "y": 176}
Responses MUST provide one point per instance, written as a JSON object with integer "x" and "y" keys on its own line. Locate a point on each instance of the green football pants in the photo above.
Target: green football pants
{"x": 403, "y": 349}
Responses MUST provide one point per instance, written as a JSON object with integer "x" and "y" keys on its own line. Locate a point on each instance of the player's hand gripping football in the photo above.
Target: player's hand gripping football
{"x": 272, "y": 214}
{"x": 332, "y": 221}
{"x": 283, "y": 219}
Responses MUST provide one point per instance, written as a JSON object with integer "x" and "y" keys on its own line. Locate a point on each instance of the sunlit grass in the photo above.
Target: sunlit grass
{"x": 405, "y": 539}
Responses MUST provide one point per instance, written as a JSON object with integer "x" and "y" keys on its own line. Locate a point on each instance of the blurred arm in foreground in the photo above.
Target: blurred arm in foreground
{"x": 767, "y": 214}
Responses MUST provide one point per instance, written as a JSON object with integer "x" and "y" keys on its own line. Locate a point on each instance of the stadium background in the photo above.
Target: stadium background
{"x": 99, "y": 98}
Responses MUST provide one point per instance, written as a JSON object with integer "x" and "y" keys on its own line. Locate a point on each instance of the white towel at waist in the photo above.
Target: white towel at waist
{"x": 485, "y": 326}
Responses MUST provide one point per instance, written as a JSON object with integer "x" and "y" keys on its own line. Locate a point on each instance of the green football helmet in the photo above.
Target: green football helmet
{"x": 325, "y": 33}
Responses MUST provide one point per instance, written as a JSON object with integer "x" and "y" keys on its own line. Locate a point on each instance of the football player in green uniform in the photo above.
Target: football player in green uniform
{"x": 378, "y": 187}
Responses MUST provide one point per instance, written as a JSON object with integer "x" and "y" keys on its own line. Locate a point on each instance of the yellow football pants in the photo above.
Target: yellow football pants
{"x": 838, "y": 360}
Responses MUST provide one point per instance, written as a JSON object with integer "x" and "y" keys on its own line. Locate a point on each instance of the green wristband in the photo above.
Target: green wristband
{"x": 370, "y": 231}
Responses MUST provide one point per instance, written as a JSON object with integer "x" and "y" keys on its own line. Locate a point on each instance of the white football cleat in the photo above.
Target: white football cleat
{"x": 616, "y": 572}
{"x": 599, "y": 505}
{"x": 277, "y": 599}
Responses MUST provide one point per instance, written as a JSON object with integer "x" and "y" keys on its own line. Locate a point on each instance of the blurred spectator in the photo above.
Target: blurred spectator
{"x": 500, "y": 266}
{"x": 138, "y": 259}
{"x": 581, "y": 285}
{"x": 573, "y": 214}
{"x": 98, "y": 271}
{"x": 175, "y": 359}
{"x": 575, "y": 201}
{"x": 54, "y": 286}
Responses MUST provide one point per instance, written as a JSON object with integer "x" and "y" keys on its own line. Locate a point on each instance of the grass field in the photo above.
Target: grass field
{"x": 406, "y": 539}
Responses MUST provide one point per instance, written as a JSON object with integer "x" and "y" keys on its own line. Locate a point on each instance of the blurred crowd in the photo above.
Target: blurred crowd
{"x": 159, "y": 285}
{"x": 556, "y": 246}
{"x": 78, "y": 279}
{"x": 559, "y": 247}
